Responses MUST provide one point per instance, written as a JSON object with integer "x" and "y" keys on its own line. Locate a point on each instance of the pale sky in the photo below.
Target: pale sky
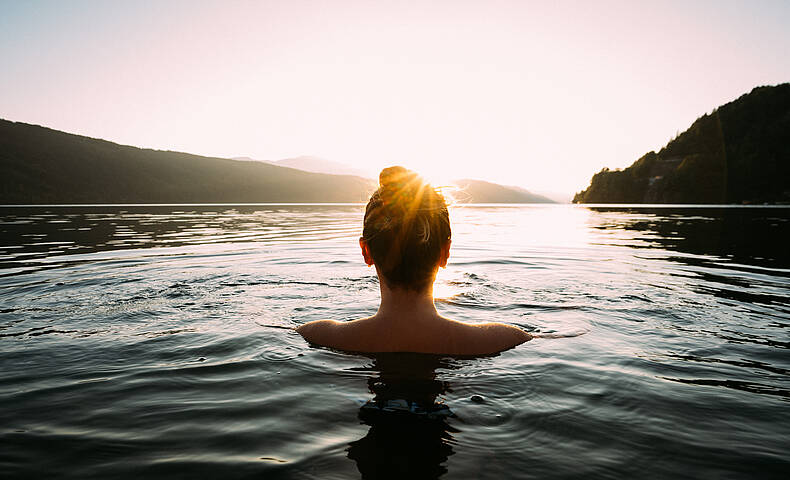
{"x": 536, "y": 94}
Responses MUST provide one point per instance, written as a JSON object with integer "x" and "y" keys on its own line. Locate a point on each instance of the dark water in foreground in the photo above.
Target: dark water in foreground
{"x": 153, "y": 342}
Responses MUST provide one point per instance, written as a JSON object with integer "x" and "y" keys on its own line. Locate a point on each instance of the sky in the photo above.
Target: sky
{"x": 536, "y": 94}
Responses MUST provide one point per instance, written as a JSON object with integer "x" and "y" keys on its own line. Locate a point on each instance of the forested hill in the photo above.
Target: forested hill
{"x": 39, "y": 165}
{"x": 43, "y": 166}
{"x": 474, "y": 190}
{"x": 740, "y": 153}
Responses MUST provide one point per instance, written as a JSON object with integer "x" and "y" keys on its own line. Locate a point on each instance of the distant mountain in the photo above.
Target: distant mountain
{"x": 320, "y": 165}
{"x": 248, "y": 159}
{"x": 40, "y": 165}
{"x": 740, "y": 153}
{"x": 552, "y": 197}
{"x": 559, "y": 197}
{"x": 312, "y": 164}
{"x": 471, "y": 191}
{"x": 478, "y": 191}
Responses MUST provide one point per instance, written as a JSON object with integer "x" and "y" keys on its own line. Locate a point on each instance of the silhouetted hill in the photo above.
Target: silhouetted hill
{"x": 478, "y": 191}
{"x": 41, "y": 165}
{"x": 319, "y": 165}
{"x": 740, "y": 153}
{"x": 472, "y": 191}
{"x": 312, "y": 164}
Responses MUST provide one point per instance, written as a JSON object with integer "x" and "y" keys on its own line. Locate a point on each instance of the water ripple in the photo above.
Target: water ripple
{"x": 158, "y": 341}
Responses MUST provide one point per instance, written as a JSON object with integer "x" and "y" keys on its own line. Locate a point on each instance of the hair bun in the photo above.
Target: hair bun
{"x": 396, "y": 177}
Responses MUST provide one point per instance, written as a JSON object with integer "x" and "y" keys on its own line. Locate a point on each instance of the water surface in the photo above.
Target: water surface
{"x": 155, "y": 341}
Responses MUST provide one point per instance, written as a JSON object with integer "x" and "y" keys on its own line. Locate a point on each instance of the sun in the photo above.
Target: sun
{"x": 441, "y": 183}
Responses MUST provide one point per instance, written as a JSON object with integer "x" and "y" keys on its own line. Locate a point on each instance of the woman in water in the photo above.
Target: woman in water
{"x": 406, "y": 236}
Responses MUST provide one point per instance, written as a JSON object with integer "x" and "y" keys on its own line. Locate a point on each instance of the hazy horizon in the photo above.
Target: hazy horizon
{"x": 516, "y": 93}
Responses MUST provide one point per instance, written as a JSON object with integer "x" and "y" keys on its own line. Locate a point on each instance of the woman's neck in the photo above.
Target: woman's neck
{"x": 400, "y": 302}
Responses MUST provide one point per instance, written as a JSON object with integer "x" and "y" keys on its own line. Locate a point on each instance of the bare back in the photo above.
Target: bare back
{"x": 435, "y": 335}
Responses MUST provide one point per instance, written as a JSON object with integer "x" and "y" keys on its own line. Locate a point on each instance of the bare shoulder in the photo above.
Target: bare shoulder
{"x": 493, "y": 337}
{"x": 505, "y": 336}
{"x": 507, "y": 331}
{"x": 319, "y": 331}
{"x": 447, "y": 337}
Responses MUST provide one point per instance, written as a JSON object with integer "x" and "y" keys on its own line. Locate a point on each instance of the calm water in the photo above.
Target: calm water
{"x": 154, "y": 342}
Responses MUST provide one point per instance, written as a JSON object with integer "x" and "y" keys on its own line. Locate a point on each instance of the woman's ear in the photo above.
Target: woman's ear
{"x": 365, "y": 251}
{"x": 445, "y": 255}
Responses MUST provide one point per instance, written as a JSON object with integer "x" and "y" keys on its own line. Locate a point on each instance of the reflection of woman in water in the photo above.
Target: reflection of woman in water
{"x": 406, "y": 236}
{"x": 403, "y": 444}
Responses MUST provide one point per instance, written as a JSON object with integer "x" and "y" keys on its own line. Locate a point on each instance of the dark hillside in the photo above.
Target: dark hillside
{"x": 43, "y": 166}
{"x": 40, "y": 165}
{"x": 478, "y": 191}
{"x": 740, "y": 153}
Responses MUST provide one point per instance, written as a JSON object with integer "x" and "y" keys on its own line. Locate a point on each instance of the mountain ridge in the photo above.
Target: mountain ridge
{"x": 497, "y": 193}
{"x": 739, "y": 153}
{"x": 40, "y": 165}
{"x": 468, "y": 188}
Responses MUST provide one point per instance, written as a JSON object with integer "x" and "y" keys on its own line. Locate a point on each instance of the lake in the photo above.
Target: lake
{"x": 156, "y": 342}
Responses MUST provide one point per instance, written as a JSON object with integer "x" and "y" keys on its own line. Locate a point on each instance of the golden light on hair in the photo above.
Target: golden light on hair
{"x": 406, "y": 227}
